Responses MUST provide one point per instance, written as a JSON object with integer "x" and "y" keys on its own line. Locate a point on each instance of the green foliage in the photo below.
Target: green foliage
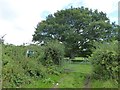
{"x": 53, "y": 53}
{"x": 104, "y": 84}
{"x": 48, "y": 80}
{"x": 13, "y": 74}
{"x": 34, "y": 69}
{"x": 19, "y": 69}
{"x": 53, "y": 70}
{"x": 77, "y": 28}
{"x": 105, "y": 60}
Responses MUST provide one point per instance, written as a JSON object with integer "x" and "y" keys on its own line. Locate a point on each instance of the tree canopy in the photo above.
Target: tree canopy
{"x": 77, "y": 28}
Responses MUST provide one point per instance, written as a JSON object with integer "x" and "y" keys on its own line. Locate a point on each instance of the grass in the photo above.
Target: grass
{"x": 103, "y": 84}
{"x": 74, "y": 79}
{"x": 82, "y": 68}
{"x": 79, "y": 58}
{"x": 76, "y": 58}
{"x": 67, "y": 81}
{"x": 44, "y": 83}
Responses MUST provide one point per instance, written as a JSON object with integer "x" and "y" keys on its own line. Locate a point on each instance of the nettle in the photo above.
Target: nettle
{"x": 105, "y": 61}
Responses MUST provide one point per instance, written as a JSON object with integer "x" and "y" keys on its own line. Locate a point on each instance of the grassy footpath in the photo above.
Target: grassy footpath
{"x": 73, "y": 79}
{"x": 76, "y": 78}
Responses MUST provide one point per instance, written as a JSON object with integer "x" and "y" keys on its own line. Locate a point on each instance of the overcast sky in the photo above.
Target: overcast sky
{"x": 18, "y": 18}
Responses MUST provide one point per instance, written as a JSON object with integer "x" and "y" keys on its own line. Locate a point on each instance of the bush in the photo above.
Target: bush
{"x": 34, "y": 69}
{"x": 105, "y": 61}
{"x": 13, "y": 75}
{"x": 53, "y": 70}
{"x": 17, "y": 69}
{"x": 53, "y": 53}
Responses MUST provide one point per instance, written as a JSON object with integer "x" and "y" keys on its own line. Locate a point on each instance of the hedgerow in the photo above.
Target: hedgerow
{"x": 105, "y": 61}
{"x": 18, "y": 69}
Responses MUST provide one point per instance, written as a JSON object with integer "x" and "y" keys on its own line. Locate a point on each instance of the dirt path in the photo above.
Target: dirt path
{"x": 87, "y": 85}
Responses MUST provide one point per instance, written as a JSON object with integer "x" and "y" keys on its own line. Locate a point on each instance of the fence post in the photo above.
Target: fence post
{"x": 1, "y": 65}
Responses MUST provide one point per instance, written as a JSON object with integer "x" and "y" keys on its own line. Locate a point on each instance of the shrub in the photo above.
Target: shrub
{"x": 13, "y": 75}
{"x": 33, "y": 69}
{"x": 53, "y": 53}
{"x": 17, "y": 69}
{"x": 105, "y": 60}
{"x": 53, "y": 70}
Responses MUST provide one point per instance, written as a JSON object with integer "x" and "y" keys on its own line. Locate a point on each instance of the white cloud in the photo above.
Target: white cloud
{"x": 107, "y": 6}
{"x": 28, "y": 13}
{"x": 19, "y": 17}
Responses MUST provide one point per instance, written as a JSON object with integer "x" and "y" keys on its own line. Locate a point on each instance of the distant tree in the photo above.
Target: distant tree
{"x": 77, "y": 28}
